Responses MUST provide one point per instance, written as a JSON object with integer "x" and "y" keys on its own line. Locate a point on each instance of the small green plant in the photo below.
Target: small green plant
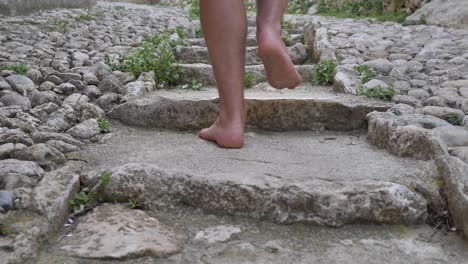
{"x": 78, "y": 202}
{"x": 62, "y": 24}
{"x": 365, "y": 72}
{"x": 180, "y": 32}
{"x": 154, "y": 54}
{"x": 324, "y": 72}
{"x": 119, "y": 8}
{"x": 20, "y": 69}
{"x": 298, "y": 6}
{"x": 134, "y": 204}
{"x": 249, "y": 80}
{"x": 287, "y": 40}
{"x": 287, "y": 25}
{"x": 199, "y": 33}
{"x": 194, "y": 10}
{"x": 377, "y": 92}
{"x": 453, "y": 119}
{"x": 423, "y": 20}
{"x": 104, "y": 125}
{"x": 250, "y": 7}
{"x": 195, "y": 85}
{"x": 105, "y": 179}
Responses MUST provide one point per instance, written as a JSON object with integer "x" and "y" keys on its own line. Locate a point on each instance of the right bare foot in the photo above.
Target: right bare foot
{"x": 279, "y": 68}
{"x": 225, "y": 135}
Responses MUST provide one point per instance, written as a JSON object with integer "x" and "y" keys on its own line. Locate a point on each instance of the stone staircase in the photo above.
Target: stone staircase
{"x": 326, "y": 175}
{"x": 195, "y": 61}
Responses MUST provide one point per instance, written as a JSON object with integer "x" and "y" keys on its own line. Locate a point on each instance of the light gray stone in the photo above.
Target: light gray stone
{"x": 26, "y": 168}
{"x": 46, "y": 156}
{"x": 62, "y": 146}
{"x": 261, "y": 198}
{"x": 76, "y": 101}
{"x": 6, "y": 200}
{"x": 43, "y": 137}
{"x": 108, "y": 101}
{"x": 14, "y": 136}
{"x": 116, "y": 232}
{"x": 16, "y": 99}
{"x": 455, "y": 174}
{"x": 402, "y": 109}
{"x": 452, "y": 13}
{"x": 461, "y": 153}
{"x": 85, "y": 130}
{"x": 39, "y": 98}
{"x": 4, "y": 84}
{"x": 380, "y": 65}
{"x": 452, "y": 136}
{"x": 52, "y": 193}
{"x": 442, "y": 112}
{"x": 20, "y": 84}
{"x": 92, "y": 92}
{"x": 217, "y": 234}
{"x": 373, "y": 84}
{"x": 65, "y": 89}
{"x": 111, "y": 84}
{"x": 46, "y": 86}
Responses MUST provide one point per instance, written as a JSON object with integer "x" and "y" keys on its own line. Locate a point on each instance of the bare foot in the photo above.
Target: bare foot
{"x": 281, "y": 72}
{"x": 225, "y": 135}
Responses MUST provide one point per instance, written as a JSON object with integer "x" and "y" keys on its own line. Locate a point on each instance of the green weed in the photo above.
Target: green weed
{"x": 250, "y": 7}
{"x": 195, "y": 85}
{"x": 324, "y": 72}
{"x": 104, "y": 125}
{"x": 287, "y": 25}
{"x": 249, "y": 80}
{"x": 365, "y": 72}
{"x": 119, "y": 8}
{"x": 198, "y": 33}
{"x": 134, "y": 204}
{"x": 78, "y": 202}
{"x": 287, "y": 40}
{"x": 378, "y": 92}
{"x": 154, "y": 54}
{"x": 453, "y": 119}
{"x": 61, "y": 25}
{"x": 194, "y": 10}
{"x": 20, "y": 69}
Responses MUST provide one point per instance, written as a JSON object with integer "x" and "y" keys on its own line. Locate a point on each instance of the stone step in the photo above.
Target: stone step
{"x": 121, "y": 234}
{"x": 329, "y": 178}
{"x": 305, "y": 108}
{"x": 203, "y": 72}
{"x": 199, "y": 54}
{"x": 251, "y": 40}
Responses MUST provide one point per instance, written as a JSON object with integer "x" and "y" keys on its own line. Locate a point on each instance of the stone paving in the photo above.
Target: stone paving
{"x": 50, "y": 125}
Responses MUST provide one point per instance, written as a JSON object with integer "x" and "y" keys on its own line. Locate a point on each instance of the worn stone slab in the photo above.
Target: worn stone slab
{"x": 306, "y": 108}
{"x": 50, "y": 196}
{"x": 18, "y": 7}
{"x": 318, "y": 202}
{"x": 455, "y": 175}
{"x": 408, "y": 135}
{"x": 117, "y": 232}
{"x": 203, "y": 72}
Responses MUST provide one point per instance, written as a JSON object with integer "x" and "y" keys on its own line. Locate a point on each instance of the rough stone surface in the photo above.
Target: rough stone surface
{"x": 85, "y": 130}
{"x": 14, "y": 7}
{"x": 455, "y": 173}
{"x": 313, "y": 107}
{"x": 318, "y": 202}
{"x": 27, "y": 168}
{"x": 52, "y": 193}
{"x": 46, "y": 156}
{"x": 116, "y": 232}
{"x": 453, "y": 13}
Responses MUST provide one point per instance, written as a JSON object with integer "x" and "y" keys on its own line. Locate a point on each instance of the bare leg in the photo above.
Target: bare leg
{"x": 224, "y": 24}
{"x": 272, "y": 51}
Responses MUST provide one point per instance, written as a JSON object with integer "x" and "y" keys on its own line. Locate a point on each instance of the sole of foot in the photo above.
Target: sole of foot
{"x": 279, "y": 68}
{"x": 230, "y": 138}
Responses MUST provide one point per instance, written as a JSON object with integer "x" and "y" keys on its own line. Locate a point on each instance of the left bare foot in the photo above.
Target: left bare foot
{"x": 279, "y": 68}
{"x": 229, "y": 135}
